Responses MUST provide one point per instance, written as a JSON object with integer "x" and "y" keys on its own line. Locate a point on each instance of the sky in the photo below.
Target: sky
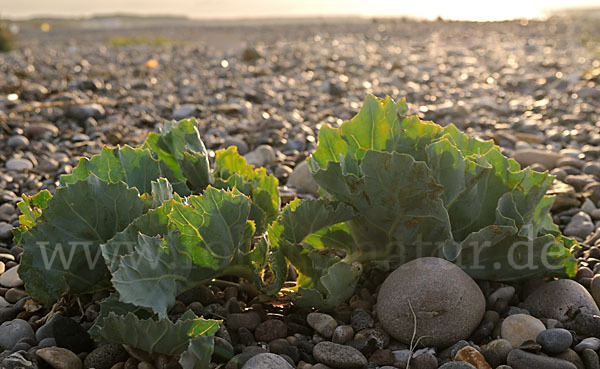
{"x": 480, "y": 10}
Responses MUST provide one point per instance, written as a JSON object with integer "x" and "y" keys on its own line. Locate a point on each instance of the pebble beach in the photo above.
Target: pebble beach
{"x": 533, "y": 87}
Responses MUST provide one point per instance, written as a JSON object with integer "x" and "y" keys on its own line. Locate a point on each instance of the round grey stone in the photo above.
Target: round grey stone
{"x": 267, "y": 361}
{"x": 519, "y": 328}
{"x": 338, "y": 356}
{"x": 557, "y": 299}
{"x": 13, "y": 331}
{"x": 519, "y": 359}
{"x": 447, "y": 303}
{"x": 554, "y": 341}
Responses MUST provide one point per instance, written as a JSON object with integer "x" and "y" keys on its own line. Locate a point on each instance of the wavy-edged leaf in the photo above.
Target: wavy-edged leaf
{"x": 134, "y": 166}
{"x": 61, "y": 252}
{"x": 180, "y": 148}
{"x": 320, "y": 271}
{"x": 178, "y": 246}
{"x": 232, "y": 171}
{"x": 190, "y": 337}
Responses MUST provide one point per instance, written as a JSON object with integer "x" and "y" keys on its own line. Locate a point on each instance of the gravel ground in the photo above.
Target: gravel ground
{"x": 533, "y": 87}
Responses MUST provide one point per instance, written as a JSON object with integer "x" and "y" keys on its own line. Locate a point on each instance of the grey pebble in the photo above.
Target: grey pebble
{"x": 13, "y": 331}
{"x": 555, "y": 341}
{"x": 338, "y": 356}
{"x": 267, "y": 361}
{"x": 588, "y": 343}
{"x": 519, "y": 359}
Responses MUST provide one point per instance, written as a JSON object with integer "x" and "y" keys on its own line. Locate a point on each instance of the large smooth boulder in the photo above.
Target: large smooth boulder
{"x": 447, "y": 303}
{"x": 560, "y": 300}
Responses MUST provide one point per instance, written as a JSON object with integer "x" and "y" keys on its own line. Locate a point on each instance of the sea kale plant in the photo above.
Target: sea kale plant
{"x": 396, "y": 188}
{"x": 151, "y": 222}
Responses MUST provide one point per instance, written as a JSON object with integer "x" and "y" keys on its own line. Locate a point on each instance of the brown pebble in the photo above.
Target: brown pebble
{"x": 120, "y": 365}
{"x": 472, "y": 356}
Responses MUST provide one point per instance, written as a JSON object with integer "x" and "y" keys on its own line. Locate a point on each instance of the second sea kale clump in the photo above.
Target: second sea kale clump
{"x": 406, "y": 188}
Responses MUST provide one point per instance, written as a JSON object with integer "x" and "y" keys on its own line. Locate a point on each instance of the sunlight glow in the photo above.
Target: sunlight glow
{"x": 458, "y": 9}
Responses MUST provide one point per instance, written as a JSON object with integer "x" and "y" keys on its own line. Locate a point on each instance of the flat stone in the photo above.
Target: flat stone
{"x": 10, "y": 278}
{"x": 554, "y": 341}
{"x": 83, "y": 112}
{"x": 519, "y": 328}
{"x": 528, "y": 157}
{"x": 448, "y": 304}
{"x": 37, "y": 130}
{"x": 338, "y": 356}
{"x": 324, "y": 324}
{"x": 588, "y": 343}
{"x": 18, "y": 164}
{"x": 560, "y": 300}
{"x": 185, "y": 111}
{"x": 18, "y": 141}
{"x": 519, "y": 359}
{"x": 60, "y": 358}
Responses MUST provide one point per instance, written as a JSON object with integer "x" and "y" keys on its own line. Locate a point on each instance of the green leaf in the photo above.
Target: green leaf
{"x": 189, "y": 337}
{"x": 183, "y": 153}
{"x": 320, "y": 271}
{"x": 135, "y": 167}
{"x": 232, "y": 171}
{"x": 178, "y": 246}
{"x": 61, "y": 252}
